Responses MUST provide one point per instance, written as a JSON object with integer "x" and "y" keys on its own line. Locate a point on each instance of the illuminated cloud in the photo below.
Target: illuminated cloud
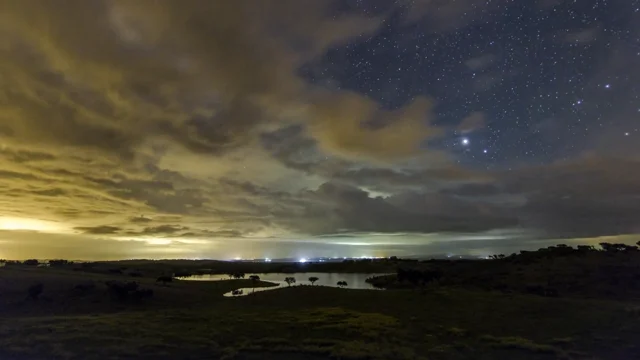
{"x": 171, "y": 129}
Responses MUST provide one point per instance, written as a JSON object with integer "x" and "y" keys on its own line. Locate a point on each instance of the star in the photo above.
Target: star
{"x": 465, "y": 141}
{"x": 608, "y": 86}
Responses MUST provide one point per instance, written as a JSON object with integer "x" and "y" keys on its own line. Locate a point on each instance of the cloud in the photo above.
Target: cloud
{"x": 581, "y": 36}
{"x": 191, "y": 121}
{"x": 587, "y": 197}
{"x": 353, "y": 126}
{"x": 481, "y": 62}
{"x": 162, "y": 230}
{"x": 445, "y": 15}
{"x": 340, "y": 208}
{"x": 140, "y": 219}
{"x": 23, "y": 156}
{"x": 99, "y": 230}
{"x": 474, "y": 121}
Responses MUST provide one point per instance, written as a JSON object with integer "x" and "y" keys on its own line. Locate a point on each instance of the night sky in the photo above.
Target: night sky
{"x": 305, "y": 128}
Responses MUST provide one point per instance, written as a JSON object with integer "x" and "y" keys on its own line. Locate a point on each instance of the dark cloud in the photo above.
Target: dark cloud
{"x": 162, "y": 230}
{"x": 338, "y": 208}
{"x": 50, "y": 192}
{"x": 140, "y": 219}
{"x": 23, "y": 156}
{"x": 99, "y": 230}
{"x": 590, "y": 197}
{"x": 213, "y": 234}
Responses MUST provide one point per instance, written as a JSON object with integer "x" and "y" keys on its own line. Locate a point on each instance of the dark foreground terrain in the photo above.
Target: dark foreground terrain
{"x": 76, "y": 316}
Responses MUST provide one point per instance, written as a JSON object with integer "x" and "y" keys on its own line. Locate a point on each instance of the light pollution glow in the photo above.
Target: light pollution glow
{"x": 128, "y": 132}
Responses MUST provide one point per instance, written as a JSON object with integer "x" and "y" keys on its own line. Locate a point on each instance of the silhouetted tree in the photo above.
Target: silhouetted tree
{"x": 290, "y": 280}
{"x": 182, "y": 273}
{"x": 122, "y": 290}
{"x": 35, "y": 290}
{"x": 313, "y": 279}
{"x": 586, "y": 248}
{"x": 164, "y": 279}
{"x": 613, "y": 248}
{"x": 342, "y": 283}
{"x": 59, "y": 262}
{"x": 31, "y": 262}
{"x": 238, "y": 275}
{"x": 416, "y": 277}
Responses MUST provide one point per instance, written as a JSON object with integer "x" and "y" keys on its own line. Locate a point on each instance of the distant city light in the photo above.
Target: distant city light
{"x": 302, "y": 260}
{"x": 267, "y": 260}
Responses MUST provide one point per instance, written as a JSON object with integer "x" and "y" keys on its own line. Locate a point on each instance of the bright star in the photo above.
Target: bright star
{"x": 608, "y": 86}
{"x": 465, "y": 141}
{"x": 484, "y": 151}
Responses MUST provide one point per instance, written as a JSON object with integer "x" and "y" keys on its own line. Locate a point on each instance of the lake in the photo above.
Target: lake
{"x": 354, "y": 280}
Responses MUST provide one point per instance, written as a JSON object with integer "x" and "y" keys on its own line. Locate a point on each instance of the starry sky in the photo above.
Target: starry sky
{"x": 307, "y": 128}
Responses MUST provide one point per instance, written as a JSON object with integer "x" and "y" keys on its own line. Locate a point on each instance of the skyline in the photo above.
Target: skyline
{"x": 304, "y": 129}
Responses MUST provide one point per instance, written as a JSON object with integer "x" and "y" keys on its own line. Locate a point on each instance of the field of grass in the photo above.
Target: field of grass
{"x": 560, "y": 271}
{"x": 192, "y": 320}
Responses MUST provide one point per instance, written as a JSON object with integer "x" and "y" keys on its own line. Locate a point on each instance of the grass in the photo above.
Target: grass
{"x": 192, "y": 319}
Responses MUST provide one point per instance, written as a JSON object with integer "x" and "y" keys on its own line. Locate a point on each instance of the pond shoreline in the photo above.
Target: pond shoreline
{"x": 279, "y": 280}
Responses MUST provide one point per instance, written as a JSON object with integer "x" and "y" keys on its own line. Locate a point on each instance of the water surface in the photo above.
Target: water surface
{"x": 354, "y": 280}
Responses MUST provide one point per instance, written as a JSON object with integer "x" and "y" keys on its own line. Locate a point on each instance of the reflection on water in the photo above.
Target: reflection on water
{"x": 353, "y": 280}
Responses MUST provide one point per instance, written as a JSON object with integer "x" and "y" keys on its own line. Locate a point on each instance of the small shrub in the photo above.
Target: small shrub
{"x": 35, "y": 290}
{"x": 59, "y": 262}
{"x": 456, "y": 332}
{"x": 164, "y": 279}
{"x": 514, "y": 342}
{"x": 121, "y": 290}
{"x": 142, "y": 294}
{"x": 85, "y": 287}
{"x": 183, "y": 273}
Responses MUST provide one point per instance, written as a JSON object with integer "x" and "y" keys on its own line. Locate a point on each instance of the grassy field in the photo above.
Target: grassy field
{"x": 192, "y": 320}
